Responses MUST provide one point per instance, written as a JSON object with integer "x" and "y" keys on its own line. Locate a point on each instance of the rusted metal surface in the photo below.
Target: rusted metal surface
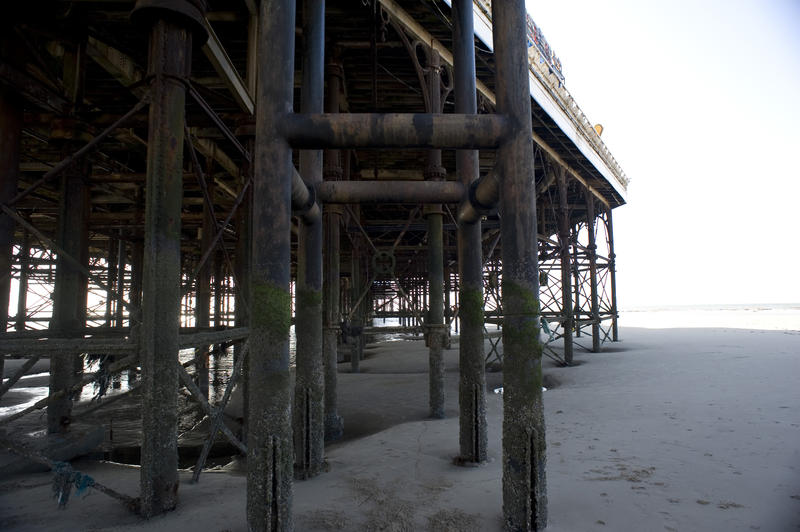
{"x": 524, "y": 492}
{"x": 370, "y": 130}
{"x": 269, "y": 445}
{"x": 390, "y": 192}
{"x": 169, "y": 60}
{"x": 308, "y": 415}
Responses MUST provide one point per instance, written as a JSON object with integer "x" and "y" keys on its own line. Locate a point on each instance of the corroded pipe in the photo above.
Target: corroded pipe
{"x": 390, "y": 192}
{"x": 394, "y": 130}
{"x": 483, "y": 196}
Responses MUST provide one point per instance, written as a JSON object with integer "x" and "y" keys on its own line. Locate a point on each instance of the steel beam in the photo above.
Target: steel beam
{"x": 397, "y": 130}
{"x": 269, "y": 447}
{"x": 308, "y": 415}
{"x": 219, "y": 59}
{"x": 169, "y": 58}
{"x": 524, "y": 492}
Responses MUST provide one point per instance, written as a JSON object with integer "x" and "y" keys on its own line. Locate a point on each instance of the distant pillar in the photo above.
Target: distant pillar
{"x": 576, "y": 278}
{"x": 169, "y": 61}
{"x": 308, "y": 422}
{"x": 203, "y": 292}
{"x": 22, "y": 293}
{"x": 612, "y": 271}
{"x": 356, "y": 287}
{"x": 595, "y": 307}
{"x": 269, "y": 442}
{"x": 69, "y": 291}
{"x": 10, "y": 135}
{"x": 566, "y": 266}
{"x": 120, "y": 298}
{"x": 524, "y": 490}
{"x": 332, "y": 222}
{"x": 241, "y": 307}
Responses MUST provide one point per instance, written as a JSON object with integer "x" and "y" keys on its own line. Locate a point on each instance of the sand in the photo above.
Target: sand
{"x": 669, "y": 429}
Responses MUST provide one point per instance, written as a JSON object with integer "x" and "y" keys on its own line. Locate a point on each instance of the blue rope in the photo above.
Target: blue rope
{"x": 63, "y": 480}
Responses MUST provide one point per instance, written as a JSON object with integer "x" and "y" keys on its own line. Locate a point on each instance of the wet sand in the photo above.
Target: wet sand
{"x": 669, "y": 429}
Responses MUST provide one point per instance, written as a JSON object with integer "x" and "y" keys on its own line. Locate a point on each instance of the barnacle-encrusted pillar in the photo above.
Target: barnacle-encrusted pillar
{"x": 471, "y": 363}
{"x": 309, "y": 434}
{"x": 269, "y": 441}
{"x": 524, "y": 493}
{"x": 173, "y": 27}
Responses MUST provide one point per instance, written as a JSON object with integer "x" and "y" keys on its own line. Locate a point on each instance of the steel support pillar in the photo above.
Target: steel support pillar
{"x": 169, "y": 61}
{"x": 612, "y": 271}
{"x": 203, "y": 293}
{"x": 269, "y": 441}
{"x": 524, "y": 492}
{"x": 333, "y": 214}
{"x": 591, "y": 223}
{"x": 472, "y": 366}
{"x": 308, "y": 417}
{"x": 566, "y": 266}
{"x": 10, "y": 138}
{"x": 69, "y": 291}
{"x": 435, "y": 172}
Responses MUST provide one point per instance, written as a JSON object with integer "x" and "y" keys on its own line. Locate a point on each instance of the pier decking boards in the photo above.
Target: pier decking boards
{"x": 179, "y": 175}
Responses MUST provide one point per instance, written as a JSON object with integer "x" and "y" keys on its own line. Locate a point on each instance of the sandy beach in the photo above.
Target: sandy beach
{"x": 669, "y": 429}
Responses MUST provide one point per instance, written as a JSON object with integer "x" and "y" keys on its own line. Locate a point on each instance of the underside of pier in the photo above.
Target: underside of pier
{"x": 272, "y": 181}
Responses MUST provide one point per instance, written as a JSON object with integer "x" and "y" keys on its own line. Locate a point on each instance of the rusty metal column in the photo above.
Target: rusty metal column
{"x": 334, "y": 427}
{"x": 308, "y": 422}
{"x": 10, "y": 138}
{"x": 566, "y": 266}
{"x": 69, "y": 291}
{"x": 592, "y": 251}
{"x": 612, "y": 271}
{"x": 169, "y": 61}
{"x": 435, "y": 315}
{"x": 472, "y": 366}
{"x": 269, "y": 438}
{"x": 524, "y": 492}
{"x": 242, "y": 265}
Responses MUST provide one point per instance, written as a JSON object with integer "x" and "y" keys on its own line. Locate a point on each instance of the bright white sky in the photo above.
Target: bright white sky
{"x": 699, "y": 100}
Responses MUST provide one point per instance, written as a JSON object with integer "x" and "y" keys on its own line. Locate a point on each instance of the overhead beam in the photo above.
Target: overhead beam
{"x": 222, "y": 63}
